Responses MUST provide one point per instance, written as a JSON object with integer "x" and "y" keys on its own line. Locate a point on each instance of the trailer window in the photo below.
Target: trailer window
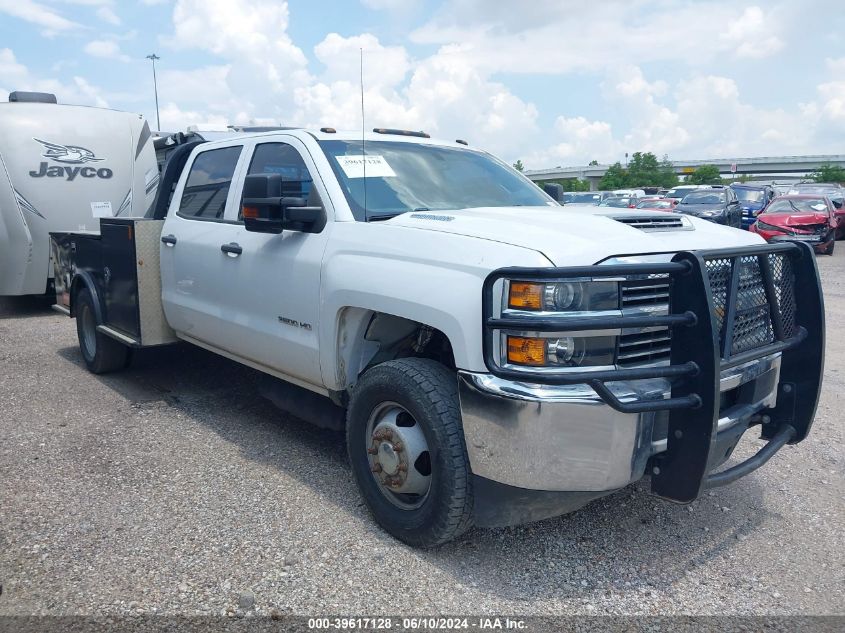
{"x": 207, "y": 188}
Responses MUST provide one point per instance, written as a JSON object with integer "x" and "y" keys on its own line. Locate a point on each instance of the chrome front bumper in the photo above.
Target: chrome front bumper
{"x": 565, "y": 438}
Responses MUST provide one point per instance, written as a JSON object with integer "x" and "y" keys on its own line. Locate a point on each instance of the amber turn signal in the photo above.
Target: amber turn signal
{"x": 526, "y": 351}
{"x": 525, "y": 296}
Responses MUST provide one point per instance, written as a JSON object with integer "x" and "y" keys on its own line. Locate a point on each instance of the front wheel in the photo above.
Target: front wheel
{"x": 101, "y": 353}
{"x": 406, "y": 447}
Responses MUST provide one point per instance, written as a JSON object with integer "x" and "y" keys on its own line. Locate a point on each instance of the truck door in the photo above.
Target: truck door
{"x": 192, "y": 264}
{"x": 272, "y": 282}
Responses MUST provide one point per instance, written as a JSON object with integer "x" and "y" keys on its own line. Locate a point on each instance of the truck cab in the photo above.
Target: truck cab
{"x": 492, "y": 356}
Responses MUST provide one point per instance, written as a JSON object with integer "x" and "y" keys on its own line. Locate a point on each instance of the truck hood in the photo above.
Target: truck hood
{"x": 578, "y": 235}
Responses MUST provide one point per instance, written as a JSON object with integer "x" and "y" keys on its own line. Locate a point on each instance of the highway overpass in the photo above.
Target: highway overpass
{"x": 764, "y": 167}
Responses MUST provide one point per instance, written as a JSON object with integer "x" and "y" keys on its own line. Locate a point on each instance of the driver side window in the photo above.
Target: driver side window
{"x": 285, "y": 160}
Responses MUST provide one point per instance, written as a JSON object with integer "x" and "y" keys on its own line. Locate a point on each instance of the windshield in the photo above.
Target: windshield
{"x": 655, "y": 204}
{"x": 586, "y": 198}
{"x": 679, "y": 193}
{"x": 402, "y": 177}
{"x": 816, "y": 188}
{"x": 704, "y": 197}
{"x": 615, "y": 202}
{"x": 797, "y": 205}
{"x": 749, "y": 195}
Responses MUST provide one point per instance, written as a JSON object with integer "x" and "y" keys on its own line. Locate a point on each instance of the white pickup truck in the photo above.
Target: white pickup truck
{"x": 493, "y": 357}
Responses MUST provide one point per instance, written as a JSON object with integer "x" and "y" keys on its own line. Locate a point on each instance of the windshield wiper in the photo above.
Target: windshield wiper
{"x": 383, "y": 216}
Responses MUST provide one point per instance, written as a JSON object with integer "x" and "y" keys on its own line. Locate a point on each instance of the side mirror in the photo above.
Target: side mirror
{"x": 554, "y": 191}
{"x": 266, "y": 210}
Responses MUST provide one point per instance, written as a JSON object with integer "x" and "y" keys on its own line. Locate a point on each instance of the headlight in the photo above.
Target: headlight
{"x": 566, "y": 296}
{"x": 560, "y": 351}
{"x": 769, "y": 227}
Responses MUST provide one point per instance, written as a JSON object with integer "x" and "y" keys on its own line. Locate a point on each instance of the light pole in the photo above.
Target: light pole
{"x": 153, "y": 59}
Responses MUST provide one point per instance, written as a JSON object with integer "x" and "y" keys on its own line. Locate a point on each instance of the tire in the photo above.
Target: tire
{"x": 829, "y": 250}
{"x": 101, "y": 353}
{"x": 417, "y": 398}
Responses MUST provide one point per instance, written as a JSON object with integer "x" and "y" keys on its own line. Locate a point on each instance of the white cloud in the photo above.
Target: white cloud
{"x": 752, "y": 33}
{"x": 576, "y": 138}
{"x": 107, "y": 49}
{"x": 454, "y": 99}
{"x": 836, "y": 66}
{"x": 37, "y": 13}
{"x": 554, "y": 37}
{"x": 454, "y": 92}
{"x": 443, "y": 95}
{"x": 267, "y": 68}
{"x": 10, "y": 69}
{"x": 253, "y": 71}
{"x": 383, "y": 65}
{"x": 206, "y": 87}
{"x": 653, "y": 126}
{"x": 333, "y": 98}
{"x": 16, "y": 76}
{"x": 174, "y": 118}
{"x": 703, "y": 116}
{"x": 106, "y": 14}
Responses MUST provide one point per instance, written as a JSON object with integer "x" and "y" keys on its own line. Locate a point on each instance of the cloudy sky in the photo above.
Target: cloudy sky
{"x": 553, "y": 82}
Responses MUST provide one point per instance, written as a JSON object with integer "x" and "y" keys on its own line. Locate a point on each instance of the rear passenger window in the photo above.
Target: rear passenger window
{"x": 207, "y": 188}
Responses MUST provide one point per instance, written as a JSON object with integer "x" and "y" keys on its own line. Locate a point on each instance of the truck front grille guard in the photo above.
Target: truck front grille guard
{"x": 727, "y": 307}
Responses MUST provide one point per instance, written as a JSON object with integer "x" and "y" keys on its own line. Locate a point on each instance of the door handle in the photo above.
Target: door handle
{"x": 170, "y": 240}
{"x": 232, "y": 249}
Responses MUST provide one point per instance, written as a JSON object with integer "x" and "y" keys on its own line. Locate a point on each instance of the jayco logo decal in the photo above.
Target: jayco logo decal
{"x": 71, "y": 154}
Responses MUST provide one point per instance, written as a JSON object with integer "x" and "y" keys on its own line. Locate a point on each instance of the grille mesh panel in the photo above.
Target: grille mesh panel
{"x": 753, "y": 327}
{"x": 784, "y": 280}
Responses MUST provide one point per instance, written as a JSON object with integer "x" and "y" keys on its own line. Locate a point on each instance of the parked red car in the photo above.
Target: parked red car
{"x": 805, "y": 218}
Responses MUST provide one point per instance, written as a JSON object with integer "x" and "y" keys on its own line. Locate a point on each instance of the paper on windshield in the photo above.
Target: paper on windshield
{"x": 377, "y": 167}
{"x": 819, "y": 207}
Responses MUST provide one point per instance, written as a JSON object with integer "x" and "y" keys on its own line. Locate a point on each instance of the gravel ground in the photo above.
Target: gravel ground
{"x": 175, "y": 488}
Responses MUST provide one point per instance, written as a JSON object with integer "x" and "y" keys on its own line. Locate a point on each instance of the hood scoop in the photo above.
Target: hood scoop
{"x": 656, "y": 223}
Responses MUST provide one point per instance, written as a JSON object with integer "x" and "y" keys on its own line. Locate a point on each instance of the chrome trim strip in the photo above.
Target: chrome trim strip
{"x": 575, "y": 314}
{"x": 118, "y": 336}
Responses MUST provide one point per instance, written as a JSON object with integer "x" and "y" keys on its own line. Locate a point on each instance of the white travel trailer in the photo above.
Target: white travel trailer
{"x": 62, "y": 168}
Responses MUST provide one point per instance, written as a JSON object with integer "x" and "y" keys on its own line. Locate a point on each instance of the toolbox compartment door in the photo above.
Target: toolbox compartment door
{"x": 119, "y": 276}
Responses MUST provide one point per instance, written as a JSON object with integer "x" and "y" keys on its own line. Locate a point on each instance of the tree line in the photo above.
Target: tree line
{"x": 644, "y": 170}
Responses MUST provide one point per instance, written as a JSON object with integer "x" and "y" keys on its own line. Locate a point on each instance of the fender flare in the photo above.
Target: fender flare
{"x": 82, "y": 280}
